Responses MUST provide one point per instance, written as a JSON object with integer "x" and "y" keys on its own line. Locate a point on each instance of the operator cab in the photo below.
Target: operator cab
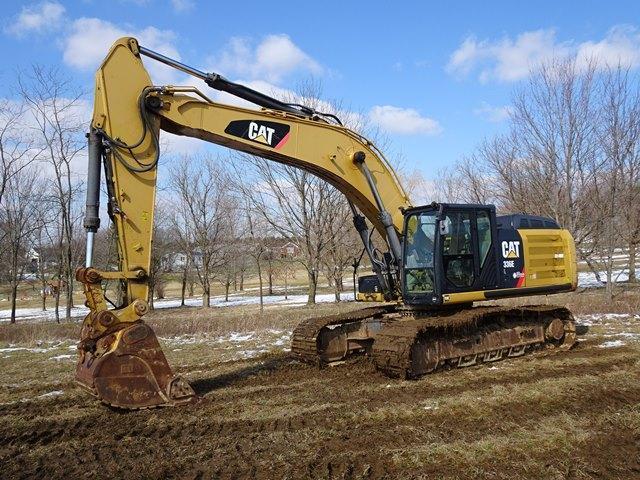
{"x": 461, "y": 248}
{"x": 448, "y": 248}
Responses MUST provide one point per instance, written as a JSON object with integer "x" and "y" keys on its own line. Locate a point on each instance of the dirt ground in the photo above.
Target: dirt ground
{"x": 550, "y": 415}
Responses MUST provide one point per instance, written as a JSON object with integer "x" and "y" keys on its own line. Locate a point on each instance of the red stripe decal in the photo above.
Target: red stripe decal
{"x": 282, "y": 142}
{"x": 520, "y": 280}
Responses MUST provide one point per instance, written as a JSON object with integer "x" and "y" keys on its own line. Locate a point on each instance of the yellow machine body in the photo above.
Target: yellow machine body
{"x": 120, "y": 360}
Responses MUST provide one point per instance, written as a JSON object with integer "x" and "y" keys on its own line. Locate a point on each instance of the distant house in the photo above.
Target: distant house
{"x": 33, "y": 260}
{"x": 289, "y": 250}
{"x": 178, "y": 260}
{"x": 33, "y": 255}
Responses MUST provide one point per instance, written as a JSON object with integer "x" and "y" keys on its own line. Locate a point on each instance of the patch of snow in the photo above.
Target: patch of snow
{"x": 589, "y": 280}
{"x": 32, "y": 350}
{"x": 629, "y": 335}
{"x": 55, "y": 393}
{"x": 216, "y": 301}
{"x": 62, "y": 357}
{"x": 601, "y": 318}
{"x": 239, "y": 337}
{"x": 612, "y": 344}
{"x": 12, "y": 349}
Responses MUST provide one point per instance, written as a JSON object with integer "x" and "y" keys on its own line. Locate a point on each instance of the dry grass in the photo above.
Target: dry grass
{"x": 191, "y": 321}
{"x": 170, "y": 322}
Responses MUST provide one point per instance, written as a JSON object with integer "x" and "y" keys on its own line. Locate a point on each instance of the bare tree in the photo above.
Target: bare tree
{"x": 202, "y": 189}
{"x": 620, "y": 137}
{"x": 553, "y": 141}
{"x": 17, "y": 147}
{"x": 470, "y": 180}
{"x": 230, "y": 250}
{"x": 257, "y": 229}
{"x": 296, "y": 205}
{"x": 343, "y": 242}
{"x": 20, "y": 220}
{"x": 55, "y": 107}
{"x": 180, "y": 234}
{"x": 617, "y": 182}
{"x": 42, "y": 243}
{"x": 160, "y": 253}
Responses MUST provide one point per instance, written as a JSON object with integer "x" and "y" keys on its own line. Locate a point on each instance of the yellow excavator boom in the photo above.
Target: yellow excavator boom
{"x": 129, "y": 111}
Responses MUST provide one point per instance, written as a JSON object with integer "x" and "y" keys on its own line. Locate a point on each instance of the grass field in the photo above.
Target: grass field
{"x": 572, "y": 414}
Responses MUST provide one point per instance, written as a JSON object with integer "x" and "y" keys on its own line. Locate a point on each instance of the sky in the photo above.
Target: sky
{"x": 435, "y": 77}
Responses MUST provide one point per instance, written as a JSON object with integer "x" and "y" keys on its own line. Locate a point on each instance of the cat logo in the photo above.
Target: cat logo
{"x": 260, "y": 133}
{"x": 511, "y": 249}
{"x": 271, "y": 134}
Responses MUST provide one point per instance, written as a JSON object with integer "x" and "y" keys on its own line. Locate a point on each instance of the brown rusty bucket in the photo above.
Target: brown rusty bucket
{"x": 127, "y": 369}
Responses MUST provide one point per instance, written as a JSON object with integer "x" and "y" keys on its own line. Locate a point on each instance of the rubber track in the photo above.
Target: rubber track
{"x": 392, "y": 346}
{"x": 304, "y": 338}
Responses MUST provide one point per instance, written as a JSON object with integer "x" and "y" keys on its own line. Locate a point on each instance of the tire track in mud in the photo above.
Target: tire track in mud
{"x": 362, "y": 376}
{"x": 504, "y": 452}
{"x": 47, "y": 428}
{"x": 218, "y": 438}
{"x": 45, "y": 432}
{"x": 453, "y": 421}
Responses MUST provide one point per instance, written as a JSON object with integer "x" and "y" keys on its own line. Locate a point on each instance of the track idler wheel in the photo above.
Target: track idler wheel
{"x": 127, "y": 369}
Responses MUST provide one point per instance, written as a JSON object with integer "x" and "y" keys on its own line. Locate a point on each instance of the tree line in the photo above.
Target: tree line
{"x": 41, "y": 140}
{"x": 570, "y": 151}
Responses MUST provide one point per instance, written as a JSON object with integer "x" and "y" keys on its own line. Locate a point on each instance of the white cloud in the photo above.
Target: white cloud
{"x": 42, "y": 17}
{"x": 272, "y": 59}
{"x": 404, "y": 121}
{"x": 505, "y": 59}
{"x": 510, "y": 59}
{"x": 491, "y": 113}
{"x": 620, "y": 46}
{"x": 182, "y": 5}
{"x": 90, "y": 38}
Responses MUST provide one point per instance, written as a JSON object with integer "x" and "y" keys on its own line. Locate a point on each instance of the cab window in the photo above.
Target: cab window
{"x": 483, "y": 224}
{"x": 457, "y": 253}
{"x": 419, "y": 251}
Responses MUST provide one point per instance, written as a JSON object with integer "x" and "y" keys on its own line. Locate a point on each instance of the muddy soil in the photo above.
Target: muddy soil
{"x": 558, "y": 415}
{"x": 274, "y": 418}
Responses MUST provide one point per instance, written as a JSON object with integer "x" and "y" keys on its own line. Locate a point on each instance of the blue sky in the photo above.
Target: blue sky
{"x": 435, "y": 76}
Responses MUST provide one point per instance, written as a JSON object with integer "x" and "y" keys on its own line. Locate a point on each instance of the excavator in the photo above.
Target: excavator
{"x": 440, "y": 258}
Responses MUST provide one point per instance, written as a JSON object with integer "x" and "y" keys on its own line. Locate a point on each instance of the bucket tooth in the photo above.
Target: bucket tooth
{"x": 128, "y": 370}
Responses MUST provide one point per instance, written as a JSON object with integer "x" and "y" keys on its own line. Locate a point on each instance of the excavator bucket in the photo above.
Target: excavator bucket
{"x": 127, "y": 369}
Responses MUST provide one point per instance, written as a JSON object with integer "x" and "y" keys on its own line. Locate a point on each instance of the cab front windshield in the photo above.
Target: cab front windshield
{"x": 419, "y": 251}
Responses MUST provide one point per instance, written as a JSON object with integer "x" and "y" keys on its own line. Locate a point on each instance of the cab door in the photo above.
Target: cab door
{"x": 467, "y": 246}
